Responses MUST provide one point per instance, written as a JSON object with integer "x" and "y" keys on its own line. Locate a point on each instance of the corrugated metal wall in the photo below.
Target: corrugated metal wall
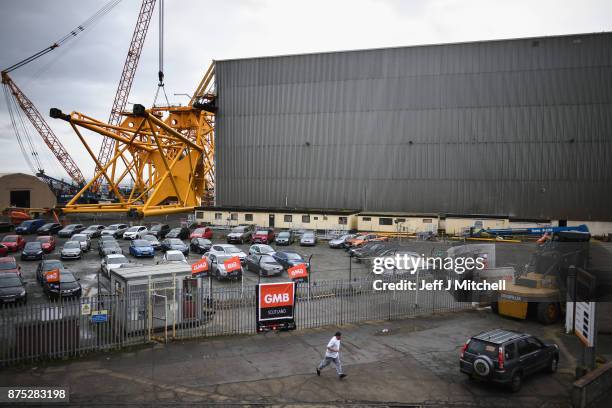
{"x": 519, "y": 127}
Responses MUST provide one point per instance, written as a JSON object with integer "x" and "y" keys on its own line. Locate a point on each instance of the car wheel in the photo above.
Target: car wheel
{"x": 483, "y": 366}
{"x": 516, "y": 382}
{"x": 553, "y": 365}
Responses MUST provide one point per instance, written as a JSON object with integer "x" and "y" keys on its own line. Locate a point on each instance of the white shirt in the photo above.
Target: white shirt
{"x": 334, "y": 343}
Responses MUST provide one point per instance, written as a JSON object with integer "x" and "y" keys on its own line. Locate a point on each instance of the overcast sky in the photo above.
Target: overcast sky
{"x": 83, "y": 75}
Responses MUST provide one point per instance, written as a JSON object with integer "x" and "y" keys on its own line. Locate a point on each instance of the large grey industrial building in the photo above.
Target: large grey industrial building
{"x": 519, "y": 128}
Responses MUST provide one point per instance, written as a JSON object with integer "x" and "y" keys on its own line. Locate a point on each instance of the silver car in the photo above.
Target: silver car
{"x": 84, "y": 240}
{"x": 308, "y": 238}
{"x": 115, "y": 230}
{"x": 228, "y": 250}
{"x": 340, "y": 241}
{"x": 71, "y": 250}
{"x": 112, "y": 261}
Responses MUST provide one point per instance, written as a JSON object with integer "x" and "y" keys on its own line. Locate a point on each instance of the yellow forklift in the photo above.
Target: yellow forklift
{"x": 540, "y": 289}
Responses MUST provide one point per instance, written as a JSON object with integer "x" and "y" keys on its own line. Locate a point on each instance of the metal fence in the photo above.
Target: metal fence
{"x": 70, "y": 328}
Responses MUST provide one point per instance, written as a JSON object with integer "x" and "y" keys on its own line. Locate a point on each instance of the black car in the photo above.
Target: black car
{"x": 94, "y": 231}
{"x": 200, "y": 245}
{"x": 506, "y": 357}
{"x": 180, "y": 233}
{"x": 284, "y": 238}
{"x": 289, "y": 259}
{"x": 109, "y": 247}
{"x": 367, "y": 250}
{"x": 51, "y": 228}
{"x": 70, "y": 230}
{"x": 46, "y": 266}
{"x": 32, "y": 251}
{"x": 12, "y": 289}
{"x": 159, "y": 230}
{"x": 263, "y": 265}
{"x": 174, "y": 243}
{"x": 68, "y": 286}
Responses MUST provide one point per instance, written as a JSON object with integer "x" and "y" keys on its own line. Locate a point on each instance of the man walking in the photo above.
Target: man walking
{"x": 332, "y": 354}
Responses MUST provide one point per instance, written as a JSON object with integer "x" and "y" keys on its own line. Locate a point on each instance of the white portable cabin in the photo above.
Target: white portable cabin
{"x": 166, "y": 293}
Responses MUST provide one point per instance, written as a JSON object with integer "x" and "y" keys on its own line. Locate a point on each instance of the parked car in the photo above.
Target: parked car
{"x": 94, "y": 231}
{"x": 48, "y": 243}
{"x": 135, "y": 232}
{"x": 82, "y": 239}
{"x": 309, "y": 238}
{"x": 179, "y": 232}
{"x": 115, "y": 230}
{"x": 71, "y": 250}
{"x": 140, "y": 248}
{"x": 9, "y": 264}
{"x": 202, "y": 232}
{"x": 109, "y": 247}
{"x": 173, "y": 257}
{"x": 200, "y": 245}
{"x": 32, "y": 251}
{"x": 47, "y": 265}
{"x": 174, "y": 243}
{"x": 68, "y": 286}
{"x": 159, "y": 230}
{"x": 263, "y": 265}
{"x": 3, "y": 250}
{"x": 240, "y": 234}
{"x": 29, "y": 226}
{"x": 105, "y": 238}
{"x": 506, "y": 357}
{"x": 260, "y": 249}
{"x": 264, "y": 236}
{"x": 12, "y": 289}
{"x": 367, "y": 249}
{"x": 229, "y": 250}
{"x": 153, "y": 241}
{"x": 341, "y": 241}
{"x": 289, "y": 259}
{"x": 112, "y": 261}
{"x": 70, "y": 230}
{"x": 284, "y": 238}
{"x": 13, "y": 243}
{"x": 50, "y": 228}
{"x": 218, "y": 270}
{"x": 362, "y": 239}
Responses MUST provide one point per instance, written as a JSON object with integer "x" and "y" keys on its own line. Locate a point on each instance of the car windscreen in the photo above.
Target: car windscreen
{"x": 265, "y": 249}
{"x": 9, "y": 280}
{"x": 293, "y": 257}
{"x": 110, "y": 244}
{"x": 43, "y": 239}
{"x": 33, "y": 245}
{"x": 133, "y": 229}
{"x": 308, "y": 235}
{"x": 52, "y": 264}
{"x": 8, "y": 265}
{"x": 262, "y": 232}
{"x": 79, "y": 237}
{"x": 175, "y": 230}
{"x": 116, "y": 260}
{"x": 156, "y": 227}
{"x": 175, "y": 257}
{"x": 71, "y": 226}
{"x": 112, "y": 227}
{"x": 480, "y": 347}
{"x": 10, "y": 238}
{"x": 238, "y": 230}
{"x": 199, "y": 231}
{"x": 203, "y": 241}
{"x": 72, "y": 245}
{"x": 175, "y": 241}
{"x": 46, "y": 226}
{"x": 150, "y": 238}
{"x": 232, "y": 250}
{"x": 67, "y": 278}
{"x": 141, "y": 243}
{"x": 267, "y": 259}
{"x": 283, "y": 234}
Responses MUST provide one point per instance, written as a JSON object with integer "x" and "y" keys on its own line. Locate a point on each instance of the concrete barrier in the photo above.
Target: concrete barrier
{"x": 592, "y": 386}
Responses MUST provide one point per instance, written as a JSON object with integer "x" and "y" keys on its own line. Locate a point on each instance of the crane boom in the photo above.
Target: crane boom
{"x": 127, "y": 77}
{"x": 44, "y": 130}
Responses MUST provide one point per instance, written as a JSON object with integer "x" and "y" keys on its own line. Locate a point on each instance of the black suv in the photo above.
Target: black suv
{"x": 506, "y": 357}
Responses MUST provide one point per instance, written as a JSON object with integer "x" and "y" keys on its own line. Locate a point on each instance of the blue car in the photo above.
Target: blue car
{"x": 29, "y": 226}
{"x": 141, "y": 247}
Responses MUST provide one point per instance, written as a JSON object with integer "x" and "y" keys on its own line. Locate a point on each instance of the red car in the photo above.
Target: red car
{"x": 14, "y": 243}
{"x": 9, "y": 264}
{"x": 263, "y": 236}
{"x": 3, "y": 250}
{"x": 48, "y": 243}
{"x": 202, "y": 232}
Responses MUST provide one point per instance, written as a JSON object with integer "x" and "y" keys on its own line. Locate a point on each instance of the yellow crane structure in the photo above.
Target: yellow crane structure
{"x": 166, "y": 152}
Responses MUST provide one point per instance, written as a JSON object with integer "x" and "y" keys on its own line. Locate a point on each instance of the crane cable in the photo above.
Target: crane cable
{"x": 160, "y": 73}
{"x": 9, "y": 104}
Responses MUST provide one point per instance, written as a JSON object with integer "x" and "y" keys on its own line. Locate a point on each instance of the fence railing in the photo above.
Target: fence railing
{"x": 70, "y": 328}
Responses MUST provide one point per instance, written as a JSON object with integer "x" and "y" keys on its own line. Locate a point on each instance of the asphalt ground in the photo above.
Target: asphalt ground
{"x": 412, "y": 362}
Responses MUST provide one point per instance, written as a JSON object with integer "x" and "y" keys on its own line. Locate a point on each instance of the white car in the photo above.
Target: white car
{"x": 135, "y": 232}
{"x": 173, "y": 257}
{"x": 261, "y": 249}
{"x": 83, "y": 240}
{"x": 228, "y": 249}
{"x": 113, "y": 261}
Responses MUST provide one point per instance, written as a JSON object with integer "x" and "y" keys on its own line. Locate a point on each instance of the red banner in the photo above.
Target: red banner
{"x": 199, "y": 267}
{"x": 298, "y": 271}
{"x": 53, "y": 276}
{"x": 276, "y": 295}
{"x": 232, "y": 264}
